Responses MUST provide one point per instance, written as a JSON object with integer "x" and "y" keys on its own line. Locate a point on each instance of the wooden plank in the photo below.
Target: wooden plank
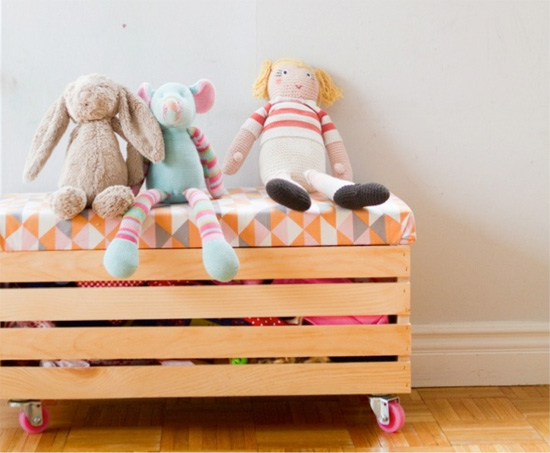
{"x": 404, "y": 320}
{"x": 204, "y": 380}
{"x": 175, "y": 264}
{"x": 105, "y": 438}
{"x": 203, "y": 342}
{"x": 236, "y": 301}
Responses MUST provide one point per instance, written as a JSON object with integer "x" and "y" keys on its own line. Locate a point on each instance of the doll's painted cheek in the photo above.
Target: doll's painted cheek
{"x": 278, "y": 81}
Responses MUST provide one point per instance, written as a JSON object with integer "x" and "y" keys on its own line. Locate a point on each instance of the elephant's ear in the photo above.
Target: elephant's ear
{"x": 145, "y": 92}
{"x": 204, "y": 94}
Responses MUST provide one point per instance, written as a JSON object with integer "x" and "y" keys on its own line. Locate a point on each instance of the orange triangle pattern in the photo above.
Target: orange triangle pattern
{"x": 27, "y": 223}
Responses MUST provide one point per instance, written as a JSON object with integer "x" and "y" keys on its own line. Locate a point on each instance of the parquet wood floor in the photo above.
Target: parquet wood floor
{"x": 465, "y": 419}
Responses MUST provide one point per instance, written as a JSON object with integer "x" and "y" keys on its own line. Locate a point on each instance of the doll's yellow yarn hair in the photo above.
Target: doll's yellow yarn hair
{"x": 328, "y": 91}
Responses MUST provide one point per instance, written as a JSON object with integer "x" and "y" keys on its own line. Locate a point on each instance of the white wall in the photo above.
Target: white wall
{"x": 446, "y": 102}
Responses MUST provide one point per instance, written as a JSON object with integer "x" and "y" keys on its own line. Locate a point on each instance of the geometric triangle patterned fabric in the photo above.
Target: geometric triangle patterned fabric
{"x": 249, "y": 218}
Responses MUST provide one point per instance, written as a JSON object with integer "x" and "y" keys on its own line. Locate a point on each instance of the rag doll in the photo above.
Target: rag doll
{"x": 189, "y": 162}
{"x": 295, "y": 137}
{"x": 95, "y": 174}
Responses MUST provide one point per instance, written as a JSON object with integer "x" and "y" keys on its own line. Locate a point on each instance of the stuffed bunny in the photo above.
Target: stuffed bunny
{"x": 296, "y": 134}
{"x": 94, "y": 173}
{"x": 190, "y": 163}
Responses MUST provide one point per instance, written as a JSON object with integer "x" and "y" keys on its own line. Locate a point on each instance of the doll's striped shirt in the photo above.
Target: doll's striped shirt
{"x": 284, "y": 117}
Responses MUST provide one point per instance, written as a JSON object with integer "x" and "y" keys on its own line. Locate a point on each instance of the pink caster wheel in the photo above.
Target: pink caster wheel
{"x": 396, "y": 418}
{"x": 390, "y": 415}
{"x": 34, "y": 418}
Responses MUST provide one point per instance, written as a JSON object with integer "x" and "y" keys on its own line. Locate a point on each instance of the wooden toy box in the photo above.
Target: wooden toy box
{"x": 368, "y": 359}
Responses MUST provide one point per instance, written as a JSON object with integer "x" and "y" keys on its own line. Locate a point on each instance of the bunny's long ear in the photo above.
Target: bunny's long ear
{"x": 140, "y": 126}
{"x": 48, "y": 134}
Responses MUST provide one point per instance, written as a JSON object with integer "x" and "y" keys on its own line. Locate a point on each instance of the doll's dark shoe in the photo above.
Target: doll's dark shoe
{"x": 288, "y": 194}
{"x": 357, "y": 196}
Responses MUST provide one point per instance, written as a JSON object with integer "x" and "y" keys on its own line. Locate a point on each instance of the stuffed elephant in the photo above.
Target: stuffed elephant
{"x": 95, "y": 173}
{"x": 189, "y": 163}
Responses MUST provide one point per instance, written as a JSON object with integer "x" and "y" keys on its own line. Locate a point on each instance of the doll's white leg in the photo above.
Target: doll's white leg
{"x": 345, "y": 193}
{"x": 285, "y": 191}
{"x": 285, "y": 175}
{"x": 326, "y": 184}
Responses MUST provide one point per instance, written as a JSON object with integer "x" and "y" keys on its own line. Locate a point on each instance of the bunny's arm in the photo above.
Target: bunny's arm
{"x": 242, "y": 143}
{"x": 209, "y": 161}
{"x": 337, "y": 154}
{"x": 115, "y": 124}
{"x": 135, "y": 163}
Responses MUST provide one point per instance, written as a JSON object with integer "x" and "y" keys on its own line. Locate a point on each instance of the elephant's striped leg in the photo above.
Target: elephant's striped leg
{"x": 219, "y": 258}
{"x": 121, "y": 258}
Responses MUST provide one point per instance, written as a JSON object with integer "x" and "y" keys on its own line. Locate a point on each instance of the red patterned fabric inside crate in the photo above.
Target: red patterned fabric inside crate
{"x": 249, "y": 218}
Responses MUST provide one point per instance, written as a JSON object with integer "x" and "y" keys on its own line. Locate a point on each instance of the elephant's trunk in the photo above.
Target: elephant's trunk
{"x": 171, "y": 111}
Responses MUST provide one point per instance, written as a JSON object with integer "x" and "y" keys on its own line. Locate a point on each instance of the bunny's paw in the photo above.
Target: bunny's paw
{"x": 114, "y": 201}
{"x": 68, "y": 202}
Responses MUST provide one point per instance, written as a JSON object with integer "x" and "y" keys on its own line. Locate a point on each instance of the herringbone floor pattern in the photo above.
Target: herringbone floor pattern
{"x": 466, "y": 419}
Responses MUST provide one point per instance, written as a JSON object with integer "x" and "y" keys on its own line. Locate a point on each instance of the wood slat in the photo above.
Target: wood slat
{"x": 203, "y": 342}
{"x": 174, "y": 264}
{"x": 204, "y": 380}
{"x": 69, "y": 304}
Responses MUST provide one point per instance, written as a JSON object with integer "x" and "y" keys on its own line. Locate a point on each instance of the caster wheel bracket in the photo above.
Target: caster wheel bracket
{"x": 31, "y": 408}
{"x": 380, "y": 406}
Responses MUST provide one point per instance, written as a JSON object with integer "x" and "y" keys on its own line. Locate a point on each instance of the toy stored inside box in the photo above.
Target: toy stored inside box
{"x": 370, "y": 247}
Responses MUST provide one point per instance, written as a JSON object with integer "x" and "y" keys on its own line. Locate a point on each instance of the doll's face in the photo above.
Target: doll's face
{"x": 291, "y": 81}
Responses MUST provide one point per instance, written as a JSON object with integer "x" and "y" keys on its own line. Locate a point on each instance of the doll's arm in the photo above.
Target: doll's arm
{"x": 238, "y": 151}
{"x": 242, "y": 143}
{"x": 338, "y": 157}
{"x": 209, "y": 161}
{"x": 339, "y": 161}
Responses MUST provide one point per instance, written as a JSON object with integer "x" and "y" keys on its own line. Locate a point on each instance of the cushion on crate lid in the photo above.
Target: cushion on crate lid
{"x": 249, "y": 218}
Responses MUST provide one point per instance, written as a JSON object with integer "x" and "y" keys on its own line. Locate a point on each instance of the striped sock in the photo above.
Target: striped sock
{"x": 205, "y": 217}
{"x": 219, "y": 259}
{"x": 121, "y": 258}
{"x": 130, "y": 226}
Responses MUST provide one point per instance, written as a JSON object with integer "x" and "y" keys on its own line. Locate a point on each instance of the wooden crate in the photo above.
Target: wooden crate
{"x": 389, "y": 293}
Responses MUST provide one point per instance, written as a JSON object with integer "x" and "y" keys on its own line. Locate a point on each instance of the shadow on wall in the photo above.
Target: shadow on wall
{"x": 461, "y": 271}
